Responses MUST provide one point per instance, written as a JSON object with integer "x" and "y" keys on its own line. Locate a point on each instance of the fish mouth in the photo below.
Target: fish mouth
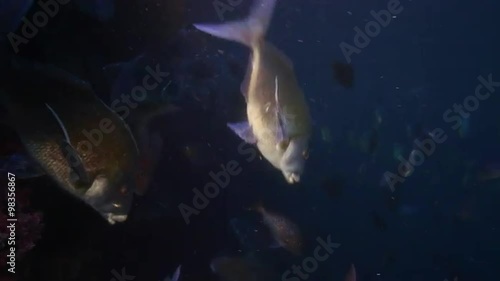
{"x": 292, "y": 178}
{"x": 113, "y": 218}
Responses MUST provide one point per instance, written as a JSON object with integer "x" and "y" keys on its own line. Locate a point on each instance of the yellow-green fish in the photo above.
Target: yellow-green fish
{"x": 279, "y": 121}
{"x": 84, "y": 146}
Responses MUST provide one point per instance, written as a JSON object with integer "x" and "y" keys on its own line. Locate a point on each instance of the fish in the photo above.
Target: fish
{"x": 278, "y": 118}
{"x": 175, "y": 275}
{"x": 68, "y": 134}
{"x": 140, "y": 113}
{"x": 286, "y": 233}
{"x": 149, "y": 142}
{"x": 343, "y": 73}
{"x": 240, "y": 268}
{"x": 351, "y": 274}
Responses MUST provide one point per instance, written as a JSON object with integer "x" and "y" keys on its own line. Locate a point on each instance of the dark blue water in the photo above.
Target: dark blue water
{"x": 440, "y": 222}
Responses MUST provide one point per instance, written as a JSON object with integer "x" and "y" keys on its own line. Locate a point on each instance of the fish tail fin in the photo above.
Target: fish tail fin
{"x": 248, "y": 31}
{"x": 177, "y": 274}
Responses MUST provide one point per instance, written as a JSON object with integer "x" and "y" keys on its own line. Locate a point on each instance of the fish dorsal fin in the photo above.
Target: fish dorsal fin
{"x": 244, "y": 131}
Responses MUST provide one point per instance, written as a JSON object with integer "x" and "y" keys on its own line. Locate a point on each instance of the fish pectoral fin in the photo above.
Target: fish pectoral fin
{"x": 97, "y": 189}
{"x": 177, "y": 274}
{"x": 76, "y": 163}
{"x": 244, "y": 131}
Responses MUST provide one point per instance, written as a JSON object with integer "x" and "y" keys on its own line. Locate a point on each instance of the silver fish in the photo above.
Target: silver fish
{"x": 279, "y": 121}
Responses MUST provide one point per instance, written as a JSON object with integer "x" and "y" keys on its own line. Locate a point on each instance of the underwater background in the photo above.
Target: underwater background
{"x": 380, "y": 90}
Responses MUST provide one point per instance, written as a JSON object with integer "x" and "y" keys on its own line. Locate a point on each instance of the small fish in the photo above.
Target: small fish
{"x": 175, "y": 275}
{"x": 68, "y": 133}
{"x": 240, "y": 269}
{"x": 343, "y": 73}
{"x": 285, "y": 233}
{"x": 279, "y": 122}
{"x": 351, "y": 274}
